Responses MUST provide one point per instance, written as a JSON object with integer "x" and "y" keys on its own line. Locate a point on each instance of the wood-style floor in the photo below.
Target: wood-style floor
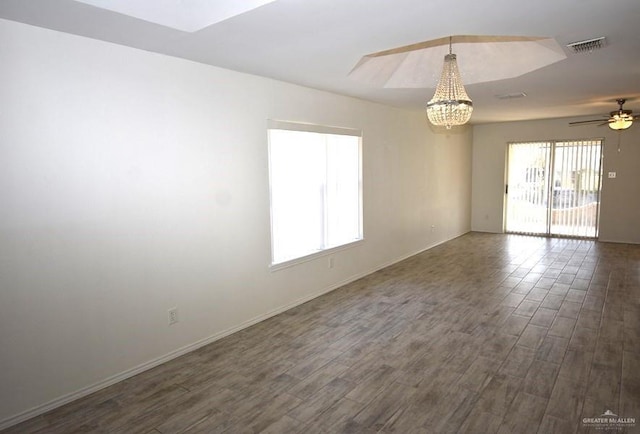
{"x": 486, "y": 333}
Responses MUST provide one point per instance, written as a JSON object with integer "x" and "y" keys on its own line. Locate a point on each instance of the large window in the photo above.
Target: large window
{"x": 316, "y": 189}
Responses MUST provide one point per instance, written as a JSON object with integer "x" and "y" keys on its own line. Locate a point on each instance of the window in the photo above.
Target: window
{"x": 316, "y": 189}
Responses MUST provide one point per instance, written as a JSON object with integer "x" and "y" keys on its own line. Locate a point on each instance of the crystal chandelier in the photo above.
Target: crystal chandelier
{"x": 450, "y": 105}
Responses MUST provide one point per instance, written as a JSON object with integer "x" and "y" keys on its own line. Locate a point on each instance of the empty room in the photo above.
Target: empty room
{"x": 319, "y": 216}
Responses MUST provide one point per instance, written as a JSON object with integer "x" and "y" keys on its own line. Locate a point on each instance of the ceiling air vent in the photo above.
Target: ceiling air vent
{"x": 587, "y": 46}
{"x": 511, "y": 95}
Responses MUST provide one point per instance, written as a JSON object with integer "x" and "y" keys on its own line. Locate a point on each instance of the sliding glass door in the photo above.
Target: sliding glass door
{"x": 553, "y": 188}
{"x": 528, "y": 187}
{"x": 576, "y": 188}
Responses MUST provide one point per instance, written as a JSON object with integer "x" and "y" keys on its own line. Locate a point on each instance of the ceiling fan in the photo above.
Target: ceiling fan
{"x": 618, "y": 119}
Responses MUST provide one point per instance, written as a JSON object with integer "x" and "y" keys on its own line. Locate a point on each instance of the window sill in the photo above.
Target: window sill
{"x": 314, "y": 256}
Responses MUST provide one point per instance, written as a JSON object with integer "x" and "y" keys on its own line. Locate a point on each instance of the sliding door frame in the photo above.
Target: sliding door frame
{"x": 550, "y": 178}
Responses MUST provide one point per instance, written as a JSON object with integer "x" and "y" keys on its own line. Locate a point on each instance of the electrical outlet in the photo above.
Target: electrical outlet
{"x": 330, "y": 263}
{"x": 173, "y": 315}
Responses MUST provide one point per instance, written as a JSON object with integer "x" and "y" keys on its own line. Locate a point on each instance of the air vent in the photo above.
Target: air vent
{"x": 587, "y": 46}
{"x": 511, "y": 95}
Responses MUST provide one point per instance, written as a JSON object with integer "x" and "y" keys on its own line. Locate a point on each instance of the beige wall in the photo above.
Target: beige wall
{"x": 132, "y": 182}
{"x": 620, "y": 202}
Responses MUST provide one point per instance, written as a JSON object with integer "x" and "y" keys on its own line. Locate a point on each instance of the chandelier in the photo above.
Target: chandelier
{"x": 450, "y": 105}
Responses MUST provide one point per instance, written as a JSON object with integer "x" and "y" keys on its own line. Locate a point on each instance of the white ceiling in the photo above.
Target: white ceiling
{"x": 185, "y": 15}
{"x": 316, "y": 43}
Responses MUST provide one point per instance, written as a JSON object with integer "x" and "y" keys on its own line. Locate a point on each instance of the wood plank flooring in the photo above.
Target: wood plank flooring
{"x": 484, "y": 334}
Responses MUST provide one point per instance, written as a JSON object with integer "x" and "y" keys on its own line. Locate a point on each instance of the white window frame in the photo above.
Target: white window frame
{"x": 312, "y": 128}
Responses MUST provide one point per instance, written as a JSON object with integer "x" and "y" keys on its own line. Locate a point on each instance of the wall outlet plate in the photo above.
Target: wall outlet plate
{"x": 173, "y": 315}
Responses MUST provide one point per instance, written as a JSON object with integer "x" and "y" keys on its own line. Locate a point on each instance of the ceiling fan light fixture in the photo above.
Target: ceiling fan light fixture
{"x": 621, "y": 122}
{"x": 450, "y": 104}
{"x": 620, "y": 119}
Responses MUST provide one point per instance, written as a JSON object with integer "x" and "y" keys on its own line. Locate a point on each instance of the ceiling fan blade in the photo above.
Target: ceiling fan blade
{"x": 592, "y": 121}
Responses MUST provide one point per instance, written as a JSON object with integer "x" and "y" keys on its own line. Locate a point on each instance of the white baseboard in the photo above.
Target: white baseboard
{"x": 85, "y": 391}
{"x": 604, "y": 240}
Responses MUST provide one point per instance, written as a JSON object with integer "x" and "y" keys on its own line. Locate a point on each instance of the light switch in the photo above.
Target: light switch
{"x": 612, "y": 174}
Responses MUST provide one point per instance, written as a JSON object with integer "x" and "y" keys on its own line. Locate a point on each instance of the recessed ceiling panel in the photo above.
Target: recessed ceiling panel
{"x": 185, "y": 15}
{"x": 480, "y": 59}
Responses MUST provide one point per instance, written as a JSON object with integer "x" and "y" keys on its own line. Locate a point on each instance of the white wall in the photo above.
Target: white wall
{"x": 132, "y": 182}
{"x": 620, "y": 207}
